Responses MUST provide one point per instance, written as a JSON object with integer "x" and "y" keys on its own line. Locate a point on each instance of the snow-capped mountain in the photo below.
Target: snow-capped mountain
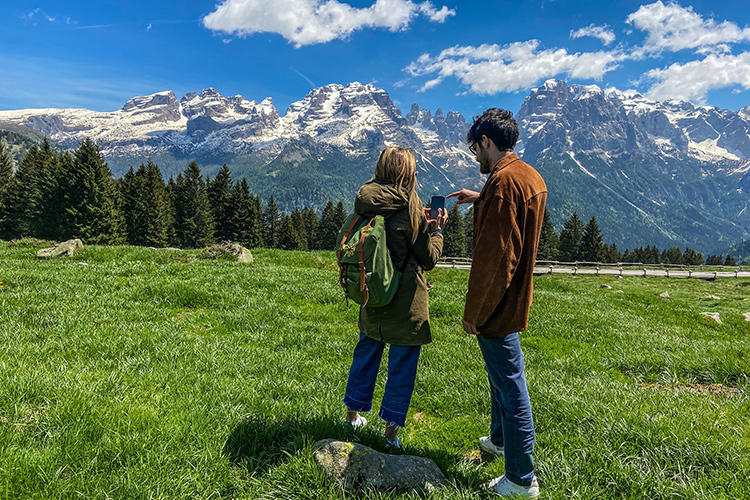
{"x": 664, "y": 174}
{"x": 213, "y": 129}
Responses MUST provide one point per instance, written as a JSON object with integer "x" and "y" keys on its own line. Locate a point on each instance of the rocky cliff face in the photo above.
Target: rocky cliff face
{"x": 657, "y": 173}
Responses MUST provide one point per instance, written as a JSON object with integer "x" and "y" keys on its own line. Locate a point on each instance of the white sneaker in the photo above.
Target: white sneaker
{"x": 359, "y": 422}
{"x": 485, "y": 444}
{"x": 504, "y": 487}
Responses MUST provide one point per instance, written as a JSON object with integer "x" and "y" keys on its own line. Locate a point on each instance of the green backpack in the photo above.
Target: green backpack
{"x": 367, "y": 273}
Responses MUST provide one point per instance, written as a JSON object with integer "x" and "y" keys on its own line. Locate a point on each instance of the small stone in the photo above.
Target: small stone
{"x": 356, "y": 467}
{"x": 712, "y": 316}
{"x": 747, "y": 316}
{"x": 665, "y": 295}
{"x": 606, "y": 286}
{"x": 710, "y": 297}
{"x": 64, "y": 249}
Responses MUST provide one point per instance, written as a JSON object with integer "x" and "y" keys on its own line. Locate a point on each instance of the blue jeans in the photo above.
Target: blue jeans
{"x": 512, "y": 422}
{"x": 402, "y": 371}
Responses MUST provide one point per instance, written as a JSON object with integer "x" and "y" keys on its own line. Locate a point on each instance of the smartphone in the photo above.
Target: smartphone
{"x": 436, "y": 204}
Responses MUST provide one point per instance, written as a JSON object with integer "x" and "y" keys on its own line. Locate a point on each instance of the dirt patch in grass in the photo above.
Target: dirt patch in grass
{"x": 25, "y": 416}
{"x": 473, "y": 457}
{"x": 711, "y": 389}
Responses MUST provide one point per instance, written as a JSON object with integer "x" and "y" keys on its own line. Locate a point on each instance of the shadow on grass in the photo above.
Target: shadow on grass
{"x": 262, "y": 444}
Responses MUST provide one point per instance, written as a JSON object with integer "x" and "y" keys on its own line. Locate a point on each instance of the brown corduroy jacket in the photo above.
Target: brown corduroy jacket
{"x": 508, "y": 219}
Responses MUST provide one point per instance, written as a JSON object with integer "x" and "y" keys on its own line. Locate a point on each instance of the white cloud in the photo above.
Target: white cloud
{"x": 306, "y": 22}
{"x": 490, "y": 69}
{"x": 31, "y": 16}
{"x": 693, "y": 80}
{"x": 673, "y": 27}
{"x": 603, "y": 33}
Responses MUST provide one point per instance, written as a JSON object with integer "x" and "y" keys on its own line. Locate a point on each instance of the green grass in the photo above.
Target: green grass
{"x": 134, "y": 373}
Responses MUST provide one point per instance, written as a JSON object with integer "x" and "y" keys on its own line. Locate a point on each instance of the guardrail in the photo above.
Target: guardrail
{"x": 619, "y": 269}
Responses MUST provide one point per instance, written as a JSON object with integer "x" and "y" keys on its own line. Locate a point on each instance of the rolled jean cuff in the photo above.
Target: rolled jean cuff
{"x": 392, "y": 417}
{"x": 355, "y": 404}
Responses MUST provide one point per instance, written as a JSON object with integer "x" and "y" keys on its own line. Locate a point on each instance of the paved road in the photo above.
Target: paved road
{"x": 616, "y": 271}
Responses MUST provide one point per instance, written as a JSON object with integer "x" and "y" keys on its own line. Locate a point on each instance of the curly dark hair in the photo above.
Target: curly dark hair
{"x": 497, "y": 124}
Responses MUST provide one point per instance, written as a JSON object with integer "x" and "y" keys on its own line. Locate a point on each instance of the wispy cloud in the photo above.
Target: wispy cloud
{"x": 36, "y": 14}
{"x": 307, "y": 22}
{"x": 312, "y": 84}
{"x": 603, "y": 33}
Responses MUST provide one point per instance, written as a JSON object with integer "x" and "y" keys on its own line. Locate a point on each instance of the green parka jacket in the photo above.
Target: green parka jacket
{"x": 406, "y": 320}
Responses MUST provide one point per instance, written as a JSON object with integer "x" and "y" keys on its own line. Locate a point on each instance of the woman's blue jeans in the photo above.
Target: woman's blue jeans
{"x": 402, "y": 371}
{"x": 512, "y": 422}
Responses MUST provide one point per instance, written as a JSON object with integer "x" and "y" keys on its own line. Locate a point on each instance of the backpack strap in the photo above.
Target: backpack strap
{"x": 341, "y": 246}
{"x": 362, "y": 271}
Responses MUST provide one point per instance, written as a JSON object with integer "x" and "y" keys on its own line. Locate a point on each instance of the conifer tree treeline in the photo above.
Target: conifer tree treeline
{"x": 54, "y": 195}
{"x": 58, "y": 196}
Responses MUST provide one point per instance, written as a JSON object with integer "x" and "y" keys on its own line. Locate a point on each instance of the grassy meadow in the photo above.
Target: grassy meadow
{"x": 134, "y": 373}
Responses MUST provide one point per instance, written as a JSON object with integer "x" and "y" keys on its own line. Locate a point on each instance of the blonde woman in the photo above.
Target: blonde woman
{"x": 404, "y": 323}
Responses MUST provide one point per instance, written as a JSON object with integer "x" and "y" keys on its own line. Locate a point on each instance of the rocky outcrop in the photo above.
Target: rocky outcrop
{"x": 357, "y": 467}
{"x": 64, "y": 249}
{"x": 230, "y": 249}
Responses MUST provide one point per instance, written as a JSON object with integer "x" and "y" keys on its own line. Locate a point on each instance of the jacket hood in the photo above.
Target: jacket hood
{"x": 380, "y": 197}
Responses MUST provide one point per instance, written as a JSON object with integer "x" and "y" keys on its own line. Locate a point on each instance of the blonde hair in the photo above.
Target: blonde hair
{"x": 398, "y": 165}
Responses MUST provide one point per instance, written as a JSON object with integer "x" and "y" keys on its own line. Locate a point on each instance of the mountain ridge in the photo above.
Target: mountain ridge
{"x": 677, "y": 172}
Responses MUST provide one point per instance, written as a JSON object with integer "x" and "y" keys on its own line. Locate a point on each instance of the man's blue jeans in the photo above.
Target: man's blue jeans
{"x": 512, "y": 422}
{"x": 402, "y": 371}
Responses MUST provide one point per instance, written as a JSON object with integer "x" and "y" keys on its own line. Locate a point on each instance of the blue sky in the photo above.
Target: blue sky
{"x": 453, "y": 55}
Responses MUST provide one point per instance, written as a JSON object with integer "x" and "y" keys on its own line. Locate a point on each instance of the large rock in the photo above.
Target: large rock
{"x": 357, "y": 467}
{"x": 64, "y": 249}
{"x": 712, "y": 316}
{"x": 747, "y": 316}
{"x": 241, "y": 253}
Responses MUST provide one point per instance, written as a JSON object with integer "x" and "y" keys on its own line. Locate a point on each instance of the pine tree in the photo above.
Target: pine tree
{"x": 311, "y": 226}
{"x": 612, "y": 254}
{"x": 691, "y": 258}
{"x": 23, "y": 197}
{"x": 93, "y": 199}
{"x": 591, "y": 242}
{"x": 339, "y": 217}
{"x": 714, "y": 260}
{"x": 671, "y": 255}
{"x": 298, "y": 224}
{"x": 454, "y": 238}
{"x": 570, "y": 239}
{"x": 53, "y": 216}
{"x": 287, "y": 237}
{"x": 272, "y": 219}
{"x": 194, "y": 225}
{"x": 548, "y": 240}
{"x": 729, "y": 261}
{"x": 6, "y": 177}
{"x": 245, "y": 226}
{"x": 469, "y": 231}
{"x": 328, "y": 229}
{"x": 219, "y": 194}
{"x": 171, "y": 216}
